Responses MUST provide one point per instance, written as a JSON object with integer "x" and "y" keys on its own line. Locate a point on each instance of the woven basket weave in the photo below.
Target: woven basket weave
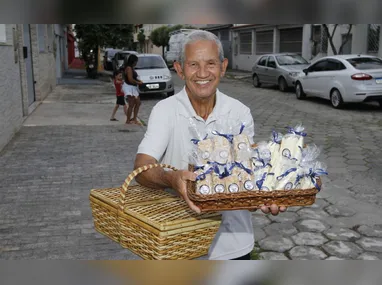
{"x": 152, "y": 223}
{"x": 249, "y": 200}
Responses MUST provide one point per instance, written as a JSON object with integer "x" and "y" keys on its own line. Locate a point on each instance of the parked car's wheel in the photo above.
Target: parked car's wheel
{"x": 283, "y": 85}
{"x": 300, "y": 92}
{"x": 336, "y": 99}
{"x": 170, "y": 93}
{"x": 256, "y": 81}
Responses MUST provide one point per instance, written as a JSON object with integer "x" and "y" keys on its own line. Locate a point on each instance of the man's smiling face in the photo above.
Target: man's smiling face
{"x": 202, "y": 68}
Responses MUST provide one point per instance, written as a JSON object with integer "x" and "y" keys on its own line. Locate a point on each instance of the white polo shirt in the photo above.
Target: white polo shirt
{"x": 168, "y": 140}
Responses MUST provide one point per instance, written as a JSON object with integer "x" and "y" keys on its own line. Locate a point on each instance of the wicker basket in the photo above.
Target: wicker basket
{"x": 249, "y": 200}
{"x": 153, "y": 224}
{"x": 167, "y": 230}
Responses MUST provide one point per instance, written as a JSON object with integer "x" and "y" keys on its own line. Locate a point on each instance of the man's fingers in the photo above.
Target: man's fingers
{"x": 274, "y": 209}
{"x": 265, "y": 209}
{"x": 283, "y": 209}
{"x": 187, "y": 175}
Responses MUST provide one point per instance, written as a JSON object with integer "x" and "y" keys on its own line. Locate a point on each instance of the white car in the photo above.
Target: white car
{"x": 342, "y": 79}
{"x": 155, "y": 75}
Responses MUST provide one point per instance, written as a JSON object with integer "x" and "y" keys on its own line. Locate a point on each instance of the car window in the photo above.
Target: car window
{"x": 366, "y": 62}
{"x": 319, "y": 66}
{"x": 262, "y": 61}
{"x": 150, "y": 62}
{"x": 333, "y": 65}
{"x": 271, "y": 62}
{"x": 290, "y": 59}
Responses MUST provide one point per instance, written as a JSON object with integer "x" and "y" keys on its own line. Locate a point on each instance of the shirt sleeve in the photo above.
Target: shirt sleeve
{"x": 157, "y": 136}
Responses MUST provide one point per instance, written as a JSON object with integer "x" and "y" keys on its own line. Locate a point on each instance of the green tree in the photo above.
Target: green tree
{"x": 141, "y": 39}
{"x": 93, "y": 36}
{"x": 160, "y": 36}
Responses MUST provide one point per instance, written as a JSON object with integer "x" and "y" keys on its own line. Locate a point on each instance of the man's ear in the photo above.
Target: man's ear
{"x": 178, "y": 69}
{"x": 224, "y": 67}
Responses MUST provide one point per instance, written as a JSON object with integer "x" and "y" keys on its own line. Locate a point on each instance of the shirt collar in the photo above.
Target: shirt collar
{"x": 186, "y": 109}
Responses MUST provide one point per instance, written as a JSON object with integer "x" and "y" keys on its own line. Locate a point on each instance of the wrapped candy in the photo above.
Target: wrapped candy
{"x": 308, "y": 174}
{"x": 274, "y": 146}
{"x": 262, "y": 167}
{"x": 287, "y": 178}
{"x": 292, "y": 143}
{"x": 204, "y": 183}
{"x": 222, "y": 151}
{"x": 219, "y": 185}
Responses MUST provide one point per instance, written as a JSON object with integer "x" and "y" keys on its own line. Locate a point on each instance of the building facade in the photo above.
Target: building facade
{"x": 29, "y": 61}
{"x": 249, "y": 41}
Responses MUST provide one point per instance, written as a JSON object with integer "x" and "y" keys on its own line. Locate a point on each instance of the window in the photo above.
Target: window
{"x": 290, "y": 59}
{"x": 3, "y": 37}
{"x": 150, "y": 62}
{"x": 264, "y": 42}
{"x": 262, "y": 61}
{"x": 224, "y": 35}
{"x": 319, "y": 66}
{"x": 333, "y": 65}
{"x": 246, "y": 43}
{"x": 271, "y": 62}
{"x": 366, "y": 63}
{"x": 41, "y": 37}
{"x": 291, "y": 40}
{"x": 374, "y": 31}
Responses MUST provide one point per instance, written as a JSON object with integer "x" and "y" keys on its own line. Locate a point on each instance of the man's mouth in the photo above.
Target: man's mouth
{"x": 202, "y": 82}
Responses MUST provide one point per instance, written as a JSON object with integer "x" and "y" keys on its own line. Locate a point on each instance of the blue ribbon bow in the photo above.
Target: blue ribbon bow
{"x": 227, "y": 136}
{"x": 276, "y": 138}
{"x": 312, "y": 175}
{"x": 240, "y": 165}
{"x": 259, "y": 183}
{"x": 293, "y": 131}
{"x": 202, "y": 176}
{"x": 263, "y": 163}
{"x": 215, "y": 166}
{"x": 286, "y": 173}
{"x": 195, "y": 141}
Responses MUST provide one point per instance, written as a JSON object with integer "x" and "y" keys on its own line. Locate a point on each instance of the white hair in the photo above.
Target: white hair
{"x": 199, "y": 35}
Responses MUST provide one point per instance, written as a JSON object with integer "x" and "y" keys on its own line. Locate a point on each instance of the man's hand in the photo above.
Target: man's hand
{"x": 179, "y": 183}
{"x": 273, "y": 209}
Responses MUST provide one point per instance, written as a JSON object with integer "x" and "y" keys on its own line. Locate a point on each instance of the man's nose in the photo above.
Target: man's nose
{"x": 203, "y": 71}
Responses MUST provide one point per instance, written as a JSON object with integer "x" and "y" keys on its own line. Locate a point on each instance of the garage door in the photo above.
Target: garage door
{"x": 291, "y": 40}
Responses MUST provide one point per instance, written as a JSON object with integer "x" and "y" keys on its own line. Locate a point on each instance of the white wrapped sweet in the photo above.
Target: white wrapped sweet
{"x": 274, "y": 146}
{"x": 287, "y": 178}
{"x": 204, "y": 185}
{"x": 308, "y": 174}
{"x": 292, "y": 143}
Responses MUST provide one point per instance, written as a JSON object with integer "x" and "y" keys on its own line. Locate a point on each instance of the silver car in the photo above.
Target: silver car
{"x": 155, "y": 75}
{"x": 280, "y": 69}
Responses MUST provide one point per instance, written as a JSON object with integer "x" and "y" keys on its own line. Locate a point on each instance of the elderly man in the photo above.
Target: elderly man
{"x": 201, "y": 64}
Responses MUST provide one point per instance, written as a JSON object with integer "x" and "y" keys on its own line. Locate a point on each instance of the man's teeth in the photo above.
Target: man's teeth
{"x": 202, "y": 82}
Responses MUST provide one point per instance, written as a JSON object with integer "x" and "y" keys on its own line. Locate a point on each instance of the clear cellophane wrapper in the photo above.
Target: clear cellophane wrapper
{"x": 286, "y": 178}
{"x": 261, "y": 158}
{"x": 309, "y": 169}
{"x": 293, "y": 142}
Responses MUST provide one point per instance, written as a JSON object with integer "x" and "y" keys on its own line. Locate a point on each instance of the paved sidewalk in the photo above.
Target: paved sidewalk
{"x": 68, "y": 146}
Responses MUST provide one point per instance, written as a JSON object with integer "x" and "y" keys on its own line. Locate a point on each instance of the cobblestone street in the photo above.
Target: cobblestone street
{"x": 68, "y": 146}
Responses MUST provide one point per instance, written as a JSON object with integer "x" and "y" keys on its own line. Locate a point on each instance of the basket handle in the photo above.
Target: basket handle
{"x": 132, "y": 175}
